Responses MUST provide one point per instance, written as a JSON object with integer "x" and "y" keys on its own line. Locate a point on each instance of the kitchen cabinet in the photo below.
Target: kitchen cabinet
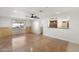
{"x": 5, "y": 31}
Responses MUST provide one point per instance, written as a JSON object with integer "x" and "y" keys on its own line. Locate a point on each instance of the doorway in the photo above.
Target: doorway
{"x": 18, "y": 26}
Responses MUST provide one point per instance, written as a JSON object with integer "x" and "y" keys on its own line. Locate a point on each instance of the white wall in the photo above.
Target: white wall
{"x": 5, "y": 22}
{"x": 71, "y": 34}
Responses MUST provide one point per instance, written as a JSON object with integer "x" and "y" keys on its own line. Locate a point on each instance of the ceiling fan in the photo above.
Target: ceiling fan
{"x": 33, "y": 16}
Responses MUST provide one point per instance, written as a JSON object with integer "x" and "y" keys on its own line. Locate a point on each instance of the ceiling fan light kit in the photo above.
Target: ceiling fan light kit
{"x": 34, "y": 16}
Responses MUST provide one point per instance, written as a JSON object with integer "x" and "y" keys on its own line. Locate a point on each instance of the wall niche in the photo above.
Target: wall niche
{"x": 53, "y": 24}
{"x": 64, "y": 24}
{"x": 61, "y": 24}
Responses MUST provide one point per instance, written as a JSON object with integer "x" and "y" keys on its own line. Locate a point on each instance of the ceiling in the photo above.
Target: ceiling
{"x": 42, "y": 12}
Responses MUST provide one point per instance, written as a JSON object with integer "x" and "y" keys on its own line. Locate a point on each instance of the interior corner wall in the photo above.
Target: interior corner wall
{"x": 71, "y": 34}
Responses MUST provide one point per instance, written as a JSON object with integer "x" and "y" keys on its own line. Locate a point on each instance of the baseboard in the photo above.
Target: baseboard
{"x": 61, "y": 38}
